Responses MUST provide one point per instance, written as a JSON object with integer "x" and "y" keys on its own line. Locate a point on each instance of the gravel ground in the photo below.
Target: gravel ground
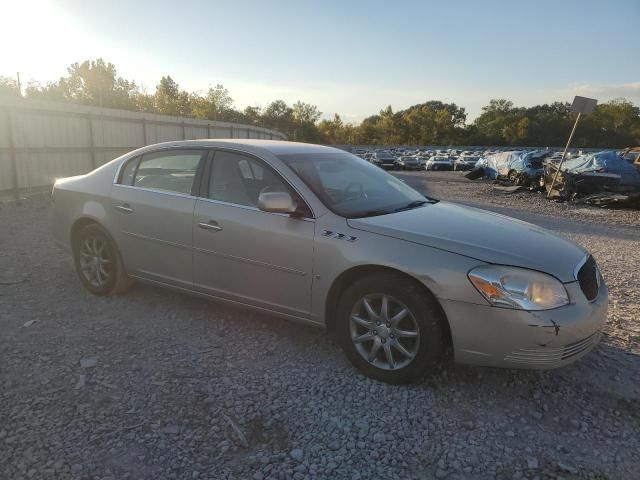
{"x": 161, "y": 385}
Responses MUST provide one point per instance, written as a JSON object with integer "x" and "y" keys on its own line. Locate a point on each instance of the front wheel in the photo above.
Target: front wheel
{"x": 98, "y": 262}
{"x": 390, "y": 328}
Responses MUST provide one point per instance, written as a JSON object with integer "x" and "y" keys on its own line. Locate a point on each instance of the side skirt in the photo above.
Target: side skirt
{"x": 293, "y": 318}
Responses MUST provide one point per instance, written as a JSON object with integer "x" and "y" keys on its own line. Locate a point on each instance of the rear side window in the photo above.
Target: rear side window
{"x": 171, "y": 171}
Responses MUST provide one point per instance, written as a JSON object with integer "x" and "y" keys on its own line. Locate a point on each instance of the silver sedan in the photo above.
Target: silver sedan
{"x": 318, "y": 235}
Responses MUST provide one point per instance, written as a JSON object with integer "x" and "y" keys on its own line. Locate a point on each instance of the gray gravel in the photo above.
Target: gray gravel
{"x": 161, "y": 385}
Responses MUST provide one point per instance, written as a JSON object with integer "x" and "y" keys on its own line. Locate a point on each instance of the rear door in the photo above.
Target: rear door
{"x": 153, "y": 204}
{"x": 244, "y": 254}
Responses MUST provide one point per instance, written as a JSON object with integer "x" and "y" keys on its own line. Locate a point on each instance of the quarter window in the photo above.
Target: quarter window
{"x": 172, "y": 171}
{"x": 128, "y": 171}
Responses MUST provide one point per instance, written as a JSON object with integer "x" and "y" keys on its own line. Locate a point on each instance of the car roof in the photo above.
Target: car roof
{"x": 275, "y": 147}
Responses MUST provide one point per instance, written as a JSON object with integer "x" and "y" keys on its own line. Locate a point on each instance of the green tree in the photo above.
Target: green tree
{"x": 9, "y": 86}
{"x": 216, "y": 105}
{"x": 170, "y": 99}
{"x": 279, "y": 115}
{"x": 253, "y": 115}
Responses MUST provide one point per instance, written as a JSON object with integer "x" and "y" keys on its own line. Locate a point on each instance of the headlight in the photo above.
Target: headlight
{"x": 519, "y": 288}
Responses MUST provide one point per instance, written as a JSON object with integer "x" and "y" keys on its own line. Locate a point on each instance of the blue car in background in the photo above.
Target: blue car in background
{"x": 520, "y": 167}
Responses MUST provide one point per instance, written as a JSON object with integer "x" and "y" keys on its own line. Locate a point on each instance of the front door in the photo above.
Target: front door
{"x": 247, "y": 255}
{"x": 153, "y": 206}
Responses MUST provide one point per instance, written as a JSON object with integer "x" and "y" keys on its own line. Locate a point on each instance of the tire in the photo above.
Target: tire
{"x": 424, "y": 317}
{"x": 99, "y": 263}
{"x": 513, "y": 177}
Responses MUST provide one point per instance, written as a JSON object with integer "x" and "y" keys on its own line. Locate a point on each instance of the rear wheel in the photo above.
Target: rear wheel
{"x": 99, "y": 263}
{"x": 390, "y": 329}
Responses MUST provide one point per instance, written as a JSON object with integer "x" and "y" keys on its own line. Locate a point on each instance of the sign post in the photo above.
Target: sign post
{"x": 581, "y": 106}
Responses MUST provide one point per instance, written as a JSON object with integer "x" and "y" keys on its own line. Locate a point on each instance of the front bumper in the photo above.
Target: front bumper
{"x": 501, "y": 337}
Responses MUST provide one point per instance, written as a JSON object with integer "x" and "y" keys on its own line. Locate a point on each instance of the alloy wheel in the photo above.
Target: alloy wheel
{"x": 384, "y": 331}
{"x": 95, "y": 261}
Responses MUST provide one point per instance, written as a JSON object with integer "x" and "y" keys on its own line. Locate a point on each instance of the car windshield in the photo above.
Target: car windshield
{"x": 352, "y": 187}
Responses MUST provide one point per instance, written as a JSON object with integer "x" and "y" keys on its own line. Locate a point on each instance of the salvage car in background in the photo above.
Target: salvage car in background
{"x": 519, "y": 167}
{"x": 632, "y": 155}
{"x": 384, "y": 160}
{"x": 591, "y": 173}
{"x": 465, "y": 162}
{"x": 318, "y": 235}
{"x": 439, "y": 162}
{"x": 410, "y": 163}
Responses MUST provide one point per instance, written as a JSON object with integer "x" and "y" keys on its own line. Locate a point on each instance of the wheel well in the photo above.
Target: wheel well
{"x": 79, "y": 225}
{"x": 348, "y": 277}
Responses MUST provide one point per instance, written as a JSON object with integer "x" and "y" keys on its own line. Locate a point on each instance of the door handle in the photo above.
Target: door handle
{"x": 124, "y": 208}
{"x": 212, "y": 225}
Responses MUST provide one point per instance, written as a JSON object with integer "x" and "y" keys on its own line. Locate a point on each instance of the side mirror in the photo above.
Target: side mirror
{"x": 276, "y": 202}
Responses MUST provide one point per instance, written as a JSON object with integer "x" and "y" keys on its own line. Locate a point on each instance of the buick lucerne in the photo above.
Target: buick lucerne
{"x": 318, "y": 235}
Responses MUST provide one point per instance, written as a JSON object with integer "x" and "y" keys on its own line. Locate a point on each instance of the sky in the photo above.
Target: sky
{"x": 348, "y": 57}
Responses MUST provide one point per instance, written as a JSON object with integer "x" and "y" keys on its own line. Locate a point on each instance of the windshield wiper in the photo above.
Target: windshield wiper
{"x": 372, "y": 213}
{"x": 410, "y": 205}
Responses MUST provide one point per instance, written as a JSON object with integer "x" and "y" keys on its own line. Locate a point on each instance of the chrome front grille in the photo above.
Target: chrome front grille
{"x": 550, "y": 357}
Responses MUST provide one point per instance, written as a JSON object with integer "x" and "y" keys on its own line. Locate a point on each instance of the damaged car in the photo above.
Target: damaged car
{"x": 591, "y": 173}
{"x": 519, "y": 167}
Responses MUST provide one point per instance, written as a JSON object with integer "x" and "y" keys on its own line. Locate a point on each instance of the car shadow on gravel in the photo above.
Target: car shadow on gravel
{"x": 316, "y": 345}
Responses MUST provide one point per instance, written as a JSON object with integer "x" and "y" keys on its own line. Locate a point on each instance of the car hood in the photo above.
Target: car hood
{"x": 480, "y": 234}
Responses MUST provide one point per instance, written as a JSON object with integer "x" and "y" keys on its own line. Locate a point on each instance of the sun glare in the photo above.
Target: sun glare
{"x": 38, "y": 38}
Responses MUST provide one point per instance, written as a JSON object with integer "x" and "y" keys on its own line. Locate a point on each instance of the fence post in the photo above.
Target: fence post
{"x": 231, "y": 129}
{"x": 208, "y": 130}
{"x": 184, "y": 131}
{"x": 144, "y": 131}
{"x": 92, "y": 143}
{"x": 12, "y": 157}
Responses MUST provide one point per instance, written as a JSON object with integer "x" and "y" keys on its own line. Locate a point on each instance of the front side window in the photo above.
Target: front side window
{"x": 350, "y": 186}
{"x": 171, "y": 171}
{"x": 239, "y": 179}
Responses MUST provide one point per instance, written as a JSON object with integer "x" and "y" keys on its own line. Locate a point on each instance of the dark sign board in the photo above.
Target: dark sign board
{"x": 583, "y": 105}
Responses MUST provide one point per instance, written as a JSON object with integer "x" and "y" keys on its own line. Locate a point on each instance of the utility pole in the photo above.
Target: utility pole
{"x": 581, "y": 106}
{"x": 19, "y": 85}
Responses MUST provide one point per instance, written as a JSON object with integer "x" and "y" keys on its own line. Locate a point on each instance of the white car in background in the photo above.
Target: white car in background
{"x": 439, "y": 162}
{"x": 465, "y": 162}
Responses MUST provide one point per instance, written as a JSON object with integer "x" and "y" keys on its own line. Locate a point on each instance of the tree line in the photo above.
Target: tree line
{"x": 501, "y": 123}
